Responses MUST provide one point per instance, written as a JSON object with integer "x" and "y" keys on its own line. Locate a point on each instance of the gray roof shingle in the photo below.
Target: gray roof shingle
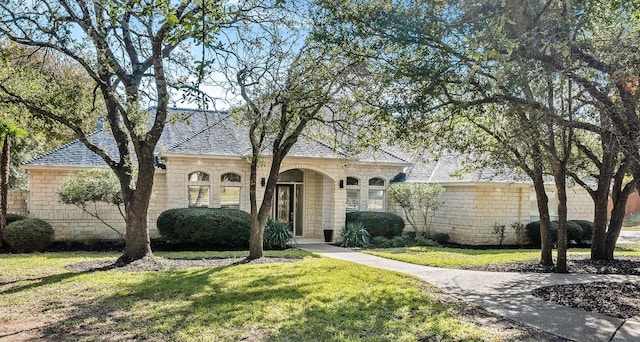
{"x": 200, "y": 133}
{"x": 455, "y": 168}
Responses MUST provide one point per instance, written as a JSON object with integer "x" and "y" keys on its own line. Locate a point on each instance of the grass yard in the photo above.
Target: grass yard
{"x": 459, "y": 258}
{"x": 315, "y": 299}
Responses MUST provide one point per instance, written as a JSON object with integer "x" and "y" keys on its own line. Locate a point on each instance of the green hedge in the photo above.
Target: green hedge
{"x": 575, "y": 232}
{"x": 587, "y": 229}
{"x": 14, "y": 217}
{"x": 206, "y": 227}
{"x": 28, "y": 235}
{"x": 378, "y": 223}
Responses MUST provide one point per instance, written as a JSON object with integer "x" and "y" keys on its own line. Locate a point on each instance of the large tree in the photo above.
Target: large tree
{"x": 128, "y": 50}
{"x": 557, "y": 66}
{"x": 285, "y": 83}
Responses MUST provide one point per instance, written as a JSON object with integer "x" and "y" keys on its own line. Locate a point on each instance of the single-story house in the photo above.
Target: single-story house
{"x": 202, "y": 161}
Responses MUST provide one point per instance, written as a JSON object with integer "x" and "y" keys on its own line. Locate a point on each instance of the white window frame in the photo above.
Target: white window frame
{"x": 376, "y": 188}
{"x": 231, "y": 184}
{"x": 353, "y": 189}
{"x": 199, "y": 183}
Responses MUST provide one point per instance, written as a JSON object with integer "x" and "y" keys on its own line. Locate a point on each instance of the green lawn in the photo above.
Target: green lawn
{"x": 316, "y": 299}
{"x": 632, "y": 222}
{"x": 458, "y": 257}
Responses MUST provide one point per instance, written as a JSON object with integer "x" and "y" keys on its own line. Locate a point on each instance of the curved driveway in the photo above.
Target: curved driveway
{"x": 509, "y": 295}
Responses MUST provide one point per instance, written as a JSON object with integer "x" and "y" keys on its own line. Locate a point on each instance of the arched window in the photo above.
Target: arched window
{"x": 230, "y": 186}
{"x": 353, "y": 194}
{"x": 377, "y": 191}
{"x": 198, "y": 189}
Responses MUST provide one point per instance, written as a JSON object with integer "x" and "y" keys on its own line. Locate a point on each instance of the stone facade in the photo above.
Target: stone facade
{"x": 470, "y": 211}
{"x": 323, "y": 199}
{"x": 17, "y": 202}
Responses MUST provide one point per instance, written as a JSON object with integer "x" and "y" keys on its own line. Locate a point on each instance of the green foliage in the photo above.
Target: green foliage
{"x": 574, "y": 232}
{"x": 89, "y": 187}
{"x": 205, "y": 227}
{"x": 381, "y": 242}
{"x": 14, "y": 217}
{"x": 354, "y": 234}
{"x": 441, "y": 238}
{"x": 587, "y": 229}
{"x": 419, "y": 201}
{"x": 400, "y": 241}
{"x": 29, "y": 235}
{"x": 378, "y": 223}
{"x": 86, "y": 189}
{"x": 277, "y": 234}
{"x": 424, "y": 241}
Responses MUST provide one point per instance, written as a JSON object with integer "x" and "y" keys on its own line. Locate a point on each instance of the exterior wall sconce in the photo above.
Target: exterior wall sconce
{"x": 262, "y": 181}
{"x": 342, "y": 184}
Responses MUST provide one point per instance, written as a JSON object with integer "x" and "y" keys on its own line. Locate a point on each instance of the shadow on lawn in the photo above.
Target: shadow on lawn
{"x": 172, "y": 302}
{"x": 48, "y": 280}
{"x": 325, "y": 301}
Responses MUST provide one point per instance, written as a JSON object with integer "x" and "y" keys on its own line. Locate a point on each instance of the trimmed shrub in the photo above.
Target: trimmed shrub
{"x": 440, "y": 238}
{"x": 587, "y": 229}
{"x": 400, "y": 241}
{"x": 14, "y": 217}
{"x": 277, "y": 234}
{"x": 206, "y": 227}
{"x": 378, "y": 223}
{"x": 574, "y": 232}
{"x": 423, "y": 241}
{"x": 355, "y": 235}
{"x": 380, "y": 241}
{"x": 29, "y": 235}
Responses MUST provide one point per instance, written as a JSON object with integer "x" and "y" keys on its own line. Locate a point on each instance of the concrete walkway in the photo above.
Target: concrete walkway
{"x": 629, "y": 237}
{"x": 509, "y": 295}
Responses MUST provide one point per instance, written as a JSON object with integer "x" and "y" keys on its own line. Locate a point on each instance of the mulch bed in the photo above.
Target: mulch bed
{"x": 162, "y": 264}
{"x": 617, "y": 299}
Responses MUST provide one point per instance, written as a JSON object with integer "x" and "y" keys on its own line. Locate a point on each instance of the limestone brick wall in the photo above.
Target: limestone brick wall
{"x": 178, "y": 169}
{"x": 456, "y": 214}
{"x": 469, "y": 212}
{"x": 314, "y": 203}
{"x": 17, "y": 201}
{"x": 324, "y": 200}
{"x": 499, "y": 204}
{"x": 579, "y": 204}
{"x": 70, "y": 222}
{"x": 365, "y": 172}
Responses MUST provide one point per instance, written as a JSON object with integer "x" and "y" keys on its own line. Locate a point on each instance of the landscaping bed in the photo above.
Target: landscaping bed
{"x": 617, "y": 299}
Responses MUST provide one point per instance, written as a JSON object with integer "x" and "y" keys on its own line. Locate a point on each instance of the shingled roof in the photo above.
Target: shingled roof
{"x": 454, "y": 168}
{"x": 198, "y": 133}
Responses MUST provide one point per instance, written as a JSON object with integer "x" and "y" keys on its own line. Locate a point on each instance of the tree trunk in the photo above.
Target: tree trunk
{"x": 259, "y": 217}
{"x": 619, "y": 197}
{"x": 546, "y": 257}
{"x": 4, "y": 184}
{"x": 560, "y": 180}
{"x": 137, "y": 241}
{"x": 600, "y": 217}
{"x": 615, "y": 225}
